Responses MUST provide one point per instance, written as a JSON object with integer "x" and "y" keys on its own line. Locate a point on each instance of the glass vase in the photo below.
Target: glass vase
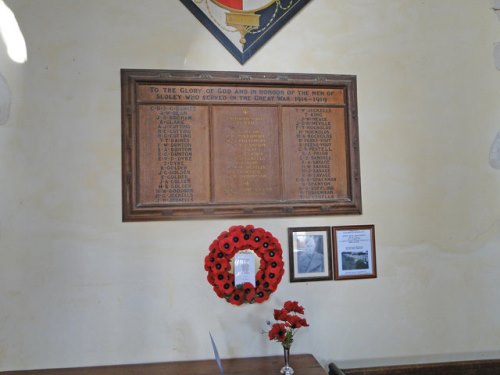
{"x": 286, "y": 370}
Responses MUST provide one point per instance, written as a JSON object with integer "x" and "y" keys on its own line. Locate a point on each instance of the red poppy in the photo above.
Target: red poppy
{"x": 289, "y": 314}
{"x": 209, "y": 261}
{"x": 277, "y": 332}
{"x": 271, "y": 277}
{"x": 261, "y": 295}
{"x": 259, "y": 278}
{"x": 272, "y": 254}
{"x": 220, "y": 278}
{"x": 219, "y": 292}
{"x": 259, "y": 275}
{"x": 275, "y": 266}
{"x": 227, "y": 288}
{"x": 249, "y": 291}
{"x": 247, "y": 232}
{"x": 249, "y": 228}
{"x": 223, "y": 235}
{"x": 220, "y": 265}
{"x": 214, "y": 246}
{"x": 293, "y": 306}
{"x": 264, "y": 285}
{"x": 237, "y": 297}
{"x": 234, "y": 228}
{"x": 296, "y": 321}
{"x": 237, "y": 237}
{"x": 226, "y": 246}
{"x": 267, "y": 241}
{"x": 281, "y": 314}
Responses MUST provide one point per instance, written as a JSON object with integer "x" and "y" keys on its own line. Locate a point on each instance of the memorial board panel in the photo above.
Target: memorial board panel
{"x": 227, "y": 144}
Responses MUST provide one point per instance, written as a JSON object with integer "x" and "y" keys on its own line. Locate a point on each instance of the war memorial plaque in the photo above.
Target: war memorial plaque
{"x": 200, "y": 145}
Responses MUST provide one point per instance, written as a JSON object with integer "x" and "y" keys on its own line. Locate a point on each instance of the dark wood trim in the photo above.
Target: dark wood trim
{"x": 304, "y": 364}
{"x": 477, "y": 367}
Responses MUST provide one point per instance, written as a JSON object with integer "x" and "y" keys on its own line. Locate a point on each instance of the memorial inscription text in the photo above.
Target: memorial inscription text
{"x": 238, "y": 149}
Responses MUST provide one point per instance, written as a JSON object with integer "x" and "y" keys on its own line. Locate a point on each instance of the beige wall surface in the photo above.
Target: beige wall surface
{"x": 79, "y": 287}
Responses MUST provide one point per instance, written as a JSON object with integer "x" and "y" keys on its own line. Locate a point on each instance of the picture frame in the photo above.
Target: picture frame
{"x": 354, "y": 252}
{"x": 310, "y": 254}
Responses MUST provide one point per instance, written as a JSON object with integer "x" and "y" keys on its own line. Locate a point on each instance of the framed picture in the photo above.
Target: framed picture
{"x": 310, "y": 254}
{"x": 354, "y": 252}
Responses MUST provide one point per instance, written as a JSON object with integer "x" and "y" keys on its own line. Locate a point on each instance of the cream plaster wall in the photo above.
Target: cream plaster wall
{"x": 79, "y": 287}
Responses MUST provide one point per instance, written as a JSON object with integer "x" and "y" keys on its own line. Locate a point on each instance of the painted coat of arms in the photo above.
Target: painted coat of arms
{"x": 243, "y": 26}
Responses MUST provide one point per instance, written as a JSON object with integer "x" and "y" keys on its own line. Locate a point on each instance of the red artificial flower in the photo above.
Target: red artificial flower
{"x": 265, "y": 285}
{"x": 277, "y": 332}
{"x": 237, "y": 297}
{"x": 219, "y": 254}
{"x": 259, "y": 275}
{"x": 220, "y": 265}
{"x": 275, "y": 266}
{"x": 209, "y": 261}
{"x": 281, "y": 314}
{"x": 247, "y": 232}
{"x": 272, "y": 254}
{"x": 220, "y": 278}
{"x": 270, "y": 282}
{"x": 262, "y": 264}
{"x": 267, "y": 242}
{"x": 255, "y": 240}
{"x": 259, "y": 278}
{"x": 249, "y": 291}
{"x": 284, "y": 332}
{"x": 249, "y": 228}
{"x": 261, "y": 295}
{"x": 214, "y": 246}
{"x": 219, "y": 292}
{"x": 222, "y": 235}
{"x": 293, "y": 306}
{"x": 272, "y": 278}
{"x": 226, "y": 246}
{"x": 227, "y": 288}
{"x": 237, "y": 237}
{"x": 295, "y": 321}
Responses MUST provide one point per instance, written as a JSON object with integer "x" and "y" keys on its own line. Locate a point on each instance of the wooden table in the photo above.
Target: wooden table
{"x": 303, "y": 364}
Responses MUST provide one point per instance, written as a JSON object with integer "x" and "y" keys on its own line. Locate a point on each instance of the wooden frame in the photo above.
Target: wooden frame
{"x": 310, "y": 254}
{"x": 203, "y": 145}
{"x": 354, "y": 252}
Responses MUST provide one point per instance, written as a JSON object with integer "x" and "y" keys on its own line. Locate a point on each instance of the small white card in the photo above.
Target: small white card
{"x": 244, "y": 268}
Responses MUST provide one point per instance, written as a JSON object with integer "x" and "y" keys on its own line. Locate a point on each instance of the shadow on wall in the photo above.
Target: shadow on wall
{"x": 4, "y": 100}
{"x": 495, "y": 152}
{"x": 495, "y": 6}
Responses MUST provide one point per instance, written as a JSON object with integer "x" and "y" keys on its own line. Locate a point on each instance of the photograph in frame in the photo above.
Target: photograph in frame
{"x": 354, "y": 252}
{"x": 310, "y": 254}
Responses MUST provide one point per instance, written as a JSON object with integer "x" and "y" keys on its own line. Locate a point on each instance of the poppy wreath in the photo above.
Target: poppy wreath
{"x": 268, "y": 275}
